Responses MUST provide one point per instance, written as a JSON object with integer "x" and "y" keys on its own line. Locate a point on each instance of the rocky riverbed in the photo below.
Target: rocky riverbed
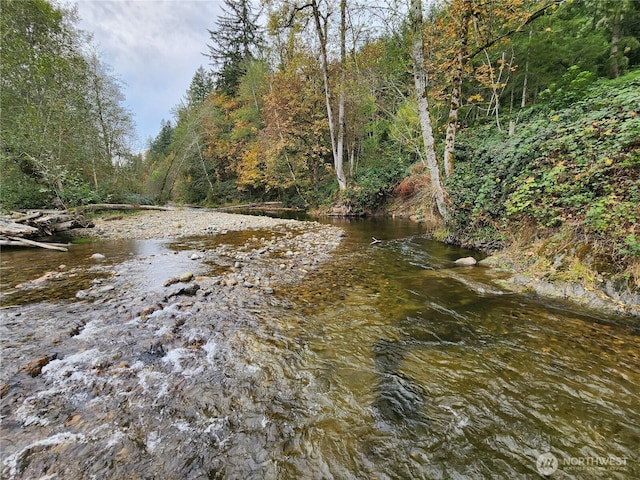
{"x": 179, "y": 223}
{"x": 131, "y": 336}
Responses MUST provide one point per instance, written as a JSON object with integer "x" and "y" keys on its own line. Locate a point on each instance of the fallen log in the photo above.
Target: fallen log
{"x": 264, "y": 206}
{"x": 21, "y": 217}
{"x": 97, "y": 207}
{"x": 4, "y": 242}
{"x": 14, "y": 229}
{"x": 19, "y": 228}
{"x": 53, "y": 218}
{"x": 18, "y": 241}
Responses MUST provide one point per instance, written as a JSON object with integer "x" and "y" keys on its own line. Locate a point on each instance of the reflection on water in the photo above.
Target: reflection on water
{"x": 458, "y": 379}
{"x": 389, "y": 363}
{"x": 42, "y": 275}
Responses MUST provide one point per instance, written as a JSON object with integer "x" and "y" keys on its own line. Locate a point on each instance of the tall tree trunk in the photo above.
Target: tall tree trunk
{"x": 339, "y": 163}
{"x": 352, "y": 159}
{"x": 523, "y": 102}
{"x": 420, "y": 79}
{"x": 616, "y": 28}
{"x": 321, "y": 31}
{"x": 204, "y": 166}
{"x": 456, "y": 92}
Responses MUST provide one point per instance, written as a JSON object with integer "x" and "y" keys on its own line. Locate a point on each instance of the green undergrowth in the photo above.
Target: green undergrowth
{"x": 568, "y": 178}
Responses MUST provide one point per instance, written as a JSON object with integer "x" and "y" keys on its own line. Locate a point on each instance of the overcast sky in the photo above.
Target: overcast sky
{"x": 154, "y": 47}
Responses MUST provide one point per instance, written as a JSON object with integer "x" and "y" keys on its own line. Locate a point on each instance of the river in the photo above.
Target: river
{"x": 386, "y": 363}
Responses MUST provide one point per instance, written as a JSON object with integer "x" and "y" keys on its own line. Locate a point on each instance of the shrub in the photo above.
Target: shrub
{"x": 373, "y": 184}
{"x": 577, "y": 166}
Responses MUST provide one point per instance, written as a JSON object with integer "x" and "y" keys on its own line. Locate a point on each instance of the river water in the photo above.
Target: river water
{"x": 386, "y": 363}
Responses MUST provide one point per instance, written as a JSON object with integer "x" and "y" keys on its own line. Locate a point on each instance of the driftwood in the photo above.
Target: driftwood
{"x": 24, "y": 242}
{"x": 21, "y": 229}
{"x": 264, "y": 206}
{"x": 99, "y": 207}
{"x": 11, "y": 228}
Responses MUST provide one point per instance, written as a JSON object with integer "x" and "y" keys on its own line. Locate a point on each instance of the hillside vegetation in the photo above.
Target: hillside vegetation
{"x": 566, "y": 182}
{"x": 510, "y": 122}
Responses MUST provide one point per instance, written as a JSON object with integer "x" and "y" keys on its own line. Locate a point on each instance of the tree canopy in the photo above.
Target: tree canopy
{"x": 65, "y": 132}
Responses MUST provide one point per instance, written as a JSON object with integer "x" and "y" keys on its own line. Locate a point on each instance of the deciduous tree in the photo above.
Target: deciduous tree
{"x": 421, "y": 82}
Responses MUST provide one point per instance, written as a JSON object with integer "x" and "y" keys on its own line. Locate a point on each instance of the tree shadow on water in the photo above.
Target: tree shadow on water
{"x": 398, "y": 399}
{"x": 401, "y": 399}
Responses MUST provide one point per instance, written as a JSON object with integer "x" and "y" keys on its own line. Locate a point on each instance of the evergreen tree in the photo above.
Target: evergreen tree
{"x": 201, "y": 86}
{"x": 234, "y": 40}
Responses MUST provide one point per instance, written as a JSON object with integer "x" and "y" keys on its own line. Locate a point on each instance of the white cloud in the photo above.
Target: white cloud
{"x": 154, "y": 46}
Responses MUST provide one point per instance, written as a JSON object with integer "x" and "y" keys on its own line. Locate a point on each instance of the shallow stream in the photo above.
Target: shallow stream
{"x": 389, "y": 362}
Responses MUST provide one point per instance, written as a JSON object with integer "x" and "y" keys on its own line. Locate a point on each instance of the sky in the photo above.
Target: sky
{"x": 154, "y": 47}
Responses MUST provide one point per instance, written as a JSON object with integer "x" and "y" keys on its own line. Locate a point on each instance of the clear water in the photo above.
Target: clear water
{"x": 388, "y": 363}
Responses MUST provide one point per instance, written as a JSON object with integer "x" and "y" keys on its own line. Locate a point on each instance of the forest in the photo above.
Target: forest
{"x": 496, "y": 122}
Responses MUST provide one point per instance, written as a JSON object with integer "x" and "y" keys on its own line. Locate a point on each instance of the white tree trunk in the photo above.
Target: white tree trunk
{"x": 420, "y": 78}
{"x": 339, "y": 159}
{"x": 321, "y": 31}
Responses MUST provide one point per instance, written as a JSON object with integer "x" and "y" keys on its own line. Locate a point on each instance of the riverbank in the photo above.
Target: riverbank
{"x": 535, "y": 274}
{"x": 557, "y": 272}
{"x": 553, "y": 267}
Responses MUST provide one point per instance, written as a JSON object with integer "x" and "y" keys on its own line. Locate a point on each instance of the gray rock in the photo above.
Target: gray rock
{"x": 98, "y": 256}
{"x": 466, "y": 261}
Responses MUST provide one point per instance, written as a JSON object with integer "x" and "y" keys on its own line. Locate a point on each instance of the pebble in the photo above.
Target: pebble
{"x": 98, "y": 256}
{"x": 34, "y": 367}
{"x": 186, "y": 277}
